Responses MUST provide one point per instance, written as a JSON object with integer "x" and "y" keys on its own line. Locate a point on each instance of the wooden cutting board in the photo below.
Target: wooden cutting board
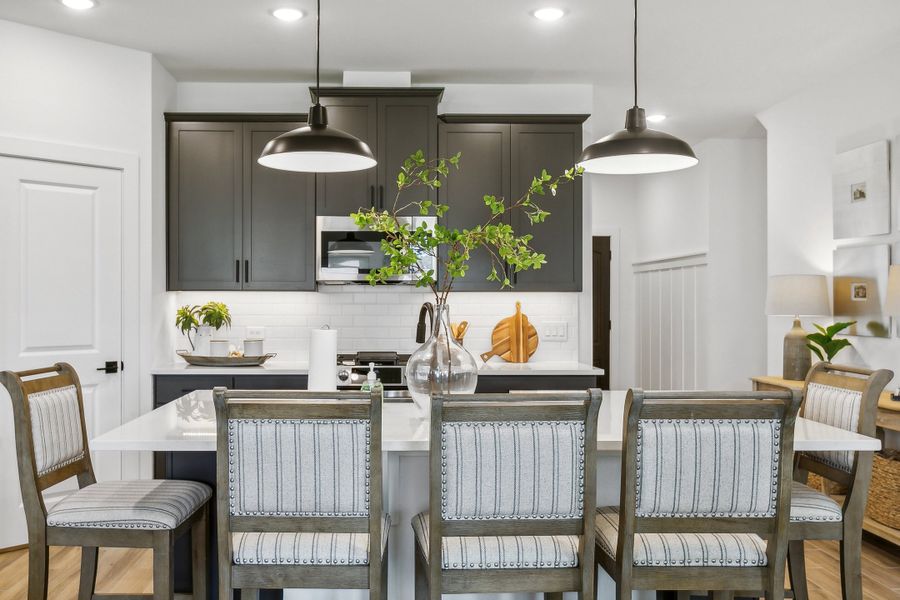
{"x": 514, "y": 339}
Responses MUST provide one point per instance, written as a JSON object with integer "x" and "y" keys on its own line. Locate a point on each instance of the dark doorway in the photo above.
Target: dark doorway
{"x": 601, "y": 262}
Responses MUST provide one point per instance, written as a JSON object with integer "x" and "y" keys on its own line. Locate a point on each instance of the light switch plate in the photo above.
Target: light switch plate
{"x": 556, "y": 331}
{"x": 256, "y": 333}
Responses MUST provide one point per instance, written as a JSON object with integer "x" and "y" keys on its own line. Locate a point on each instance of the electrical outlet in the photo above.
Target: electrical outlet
{"x": 557, "y": 331}
{"x": 256, "y": 333}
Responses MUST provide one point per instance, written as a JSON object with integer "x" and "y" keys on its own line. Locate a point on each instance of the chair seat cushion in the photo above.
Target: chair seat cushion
{"x": 307, "y": 548}
{"x": 138, "y": 504}
{"x": 501, "y": 552}
{"x": 682, "y": 549}
{"x": 808, "y": 505}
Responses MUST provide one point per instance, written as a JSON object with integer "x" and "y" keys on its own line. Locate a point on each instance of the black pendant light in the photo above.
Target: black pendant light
{"x": 637, "y": 149}
{"x": 317, "y": 148}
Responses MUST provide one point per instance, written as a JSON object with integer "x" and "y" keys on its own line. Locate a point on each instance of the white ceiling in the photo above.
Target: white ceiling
{"x": 710, "y": 64}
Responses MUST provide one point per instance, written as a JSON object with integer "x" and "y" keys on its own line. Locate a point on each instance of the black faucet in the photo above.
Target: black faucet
{"x": 427, "y": 308}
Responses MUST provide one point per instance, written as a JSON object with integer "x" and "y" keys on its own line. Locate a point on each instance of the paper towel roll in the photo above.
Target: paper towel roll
{"x": 322, "y": 360}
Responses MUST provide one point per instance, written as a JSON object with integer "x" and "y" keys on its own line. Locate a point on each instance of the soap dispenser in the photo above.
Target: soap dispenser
{"x": 372, "y": 382}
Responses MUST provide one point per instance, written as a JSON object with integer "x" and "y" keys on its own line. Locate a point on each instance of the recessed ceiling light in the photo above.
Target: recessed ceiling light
{"x": 287, "y": 14}
{"x": 79, "y": 4}
{"x": 549, "y": 14}
{"x": 656, "y": 118}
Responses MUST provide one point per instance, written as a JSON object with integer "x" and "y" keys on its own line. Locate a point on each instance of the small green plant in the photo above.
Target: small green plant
{"x": 823, "y": 343}
{"x": 451, "y": 248}
{"x": 187, "y": 322}
{"x": 214, "y": 314}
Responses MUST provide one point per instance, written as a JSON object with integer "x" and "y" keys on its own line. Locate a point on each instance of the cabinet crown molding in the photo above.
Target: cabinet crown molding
{"x": 383, "y": 92}
{"x": 515, "y": 119}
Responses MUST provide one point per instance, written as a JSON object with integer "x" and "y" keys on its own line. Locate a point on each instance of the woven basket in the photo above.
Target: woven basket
{"x": 884, "y": 490}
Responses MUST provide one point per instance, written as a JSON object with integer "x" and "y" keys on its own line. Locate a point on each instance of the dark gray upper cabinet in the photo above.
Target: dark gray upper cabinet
{"x": 233, "y": 224}
{"x": 395, "y": 123}
{"x": 279, "y": 218}
{"x": 204, "y": 206}
{"x": 555, "y": 148}
{"x": 500, "y": 155}
{"x": 339, "y": 194}
{"x": 483, "y": 169}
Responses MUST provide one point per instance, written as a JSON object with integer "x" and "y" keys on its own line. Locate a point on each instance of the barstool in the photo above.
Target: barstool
{"x": 52, "y": 447}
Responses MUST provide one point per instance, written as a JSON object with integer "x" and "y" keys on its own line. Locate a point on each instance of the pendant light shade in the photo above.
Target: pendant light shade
{"x": 637, "y": 149}
{"x": 317, "y": 148}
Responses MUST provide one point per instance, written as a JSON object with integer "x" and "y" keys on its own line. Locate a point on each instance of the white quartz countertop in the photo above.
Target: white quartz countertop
{"x": 495, "y": 366}
{"x": 189, "y": 424}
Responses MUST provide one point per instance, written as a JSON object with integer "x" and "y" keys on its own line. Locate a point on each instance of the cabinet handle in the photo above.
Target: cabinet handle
{"x": 381, "y": 197}
{"x": 372, "y": 195}
{"x": 237, "y": 270}
{"x": 246, "y": 270}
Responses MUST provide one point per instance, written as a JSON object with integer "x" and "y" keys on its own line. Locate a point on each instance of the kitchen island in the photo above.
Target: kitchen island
{"x": 186, "y": 426}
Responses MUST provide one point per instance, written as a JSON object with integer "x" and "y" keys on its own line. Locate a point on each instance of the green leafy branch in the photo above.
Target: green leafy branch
{"x": 405, "y": 247}
{"x": 214, "y": 314}
{"x": 823, "y": 343}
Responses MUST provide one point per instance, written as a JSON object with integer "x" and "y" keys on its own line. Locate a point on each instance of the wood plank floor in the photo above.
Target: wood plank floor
{"x": 130, "y": 571}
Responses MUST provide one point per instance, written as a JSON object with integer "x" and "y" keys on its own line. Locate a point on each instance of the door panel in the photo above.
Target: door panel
{"x": 483, "y": 169}
{"x": 601, "y": 261}
{"x": 205, "y": 189}
{"x": 61, "y": 240}
{"x": 279, "y": 218}
{"x": 405, "y": 125}
{"x": 555, "y": 148}
{"x": 339, "y": 194}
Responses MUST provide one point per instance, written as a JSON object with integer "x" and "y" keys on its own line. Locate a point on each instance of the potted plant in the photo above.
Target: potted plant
{"x": 823, "y": 344}
{"x": 203, "y": 322}
{"x": 441, "y": 364}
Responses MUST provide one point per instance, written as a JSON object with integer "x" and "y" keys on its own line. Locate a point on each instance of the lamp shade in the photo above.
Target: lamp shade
{"x": 797, "y": 295}
{"x": 892, "y": 305}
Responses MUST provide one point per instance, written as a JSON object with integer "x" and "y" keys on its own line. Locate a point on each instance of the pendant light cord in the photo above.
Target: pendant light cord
{"x": 635, "y": 53}
{"x": 318, "y": 34}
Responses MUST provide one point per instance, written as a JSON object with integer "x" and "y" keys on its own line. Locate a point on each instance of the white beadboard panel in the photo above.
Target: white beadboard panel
{"x": 671, "y": 304}
{"x": 383, "y": 318}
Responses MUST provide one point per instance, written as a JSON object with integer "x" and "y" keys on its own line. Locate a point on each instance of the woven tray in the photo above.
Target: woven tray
{"x": 884, "y": 490}
{"x": 223, "y": 361}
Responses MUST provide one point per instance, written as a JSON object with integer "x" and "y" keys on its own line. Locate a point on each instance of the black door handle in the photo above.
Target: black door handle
{"x": 111, "y": 366}
{"x": 246, "y": 270}
{"x": 381, "y": 197}
{"x": 372, "y": 195}
{"x": 237, "y": 270}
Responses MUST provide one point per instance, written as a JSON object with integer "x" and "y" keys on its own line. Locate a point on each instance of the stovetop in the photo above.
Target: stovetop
{"x": 381, "y": 359}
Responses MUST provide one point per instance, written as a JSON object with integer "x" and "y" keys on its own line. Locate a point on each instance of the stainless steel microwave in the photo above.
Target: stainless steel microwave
{"x": 346, "y": 254}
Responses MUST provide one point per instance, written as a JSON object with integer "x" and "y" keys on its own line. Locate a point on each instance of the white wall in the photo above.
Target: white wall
{"x": 290, "y": 315}
{"x": 805, "y": 132}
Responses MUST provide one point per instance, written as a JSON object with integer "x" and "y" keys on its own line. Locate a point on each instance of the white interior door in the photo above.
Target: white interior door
{"x": 61, "y": 298}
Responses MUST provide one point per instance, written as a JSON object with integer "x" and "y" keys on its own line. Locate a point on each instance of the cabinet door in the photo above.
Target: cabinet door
{"x": 483, "y": 169}
{"x": 405, "y": 125}
{"x": 339, "y": 194}
{"x": 279, "y": 218}
{"x": 204, "y": 206}
{"x": 170, "y": 387}
{"x": 555, "y": 148}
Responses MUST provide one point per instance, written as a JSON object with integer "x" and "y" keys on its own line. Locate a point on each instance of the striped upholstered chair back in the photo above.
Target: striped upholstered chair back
{"x": 299, "y": 481}
{"x": 512, "y": 483}
{"x": 843, "y": 397}
{"x": 51, "y": 439}
{"x": 705, "y": 480}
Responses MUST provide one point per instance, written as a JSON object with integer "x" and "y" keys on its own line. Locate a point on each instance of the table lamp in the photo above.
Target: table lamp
{"x": 796, "y": 296}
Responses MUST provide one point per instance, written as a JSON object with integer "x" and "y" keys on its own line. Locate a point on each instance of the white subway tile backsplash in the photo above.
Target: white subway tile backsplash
{"x": 383, "y": 317}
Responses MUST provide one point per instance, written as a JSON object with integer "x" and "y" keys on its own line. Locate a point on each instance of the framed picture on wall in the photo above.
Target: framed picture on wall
{"x": 860, "y": 289}
{"x": 861, "y": 192}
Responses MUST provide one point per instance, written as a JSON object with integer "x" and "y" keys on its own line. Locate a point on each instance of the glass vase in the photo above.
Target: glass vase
{"x": 440, "y": 365}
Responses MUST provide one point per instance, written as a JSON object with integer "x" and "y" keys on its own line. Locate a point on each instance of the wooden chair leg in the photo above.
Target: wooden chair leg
{"x": 88, "y": 580}
{"x": 797, "y": 569}
{"x": 163, "y": 567}
{"x": 384, "y": 574}
{"x": 249, "y": 594}
{"x": 684, "y": 595}
{"x": 553, "y": 596}
{"x": 622, "y": 592}
{"x": 199, "y": 534}
{"x": 851, "y": 565}
{"x": 720, "y": 595}
{"x": 38, "y": 566}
